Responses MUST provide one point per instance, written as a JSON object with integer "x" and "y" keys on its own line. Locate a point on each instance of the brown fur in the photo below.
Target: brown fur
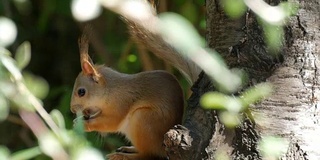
{"x": 141, "y": 106}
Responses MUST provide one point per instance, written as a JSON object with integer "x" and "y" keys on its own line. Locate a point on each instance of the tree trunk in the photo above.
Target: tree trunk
{"x": 291, "y": 112}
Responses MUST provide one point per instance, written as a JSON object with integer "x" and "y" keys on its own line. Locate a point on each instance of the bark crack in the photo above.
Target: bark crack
{"x": 301, "y": 27}
{"x": 313, "y": 97}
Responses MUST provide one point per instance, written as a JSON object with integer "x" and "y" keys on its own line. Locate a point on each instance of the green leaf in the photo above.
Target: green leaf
{"x": 273, "y": 147}
{"x": 274, "y": 37}
{"x": 185, "y": 39}
{"x": 256, "y": 93}
{"x": 23, "y": 101}
{"x": 26, "y": 154}
{"x": 37, "y": 85}
{"x": 78, "y": 125}
{"x": 88, "y": 153}
{"x": 216, "y": 100}
{"x": 213, "y": 100}
{"x": 4, "y": 52}
{"x": 229, "y": 119}
{"x": 4, "y": 108}
{"x": 58, "y": 118}
{"x": 289, "y": 8}
{"x": 8, "y": 31}
{"x": 4, "y": 153}
{"x": 11, "y": 91}
{"x": 23, "y": 55}
{"x": 50, "y": 144}
{"x": 180, "y": 33}
{"x": 234, "y": 8}
{"x": 10, "y": 65}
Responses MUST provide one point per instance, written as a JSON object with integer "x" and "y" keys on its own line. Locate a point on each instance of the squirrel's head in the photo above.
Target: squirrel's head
{"x": 87, "y": 92}
{"x": 88, "y": 88}
{"x": 97, "y": 96}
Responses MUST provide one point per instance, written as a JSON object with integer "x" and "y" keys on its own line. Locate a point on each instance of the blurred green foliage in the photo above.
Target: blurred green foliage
{"x": 47, "y": 30}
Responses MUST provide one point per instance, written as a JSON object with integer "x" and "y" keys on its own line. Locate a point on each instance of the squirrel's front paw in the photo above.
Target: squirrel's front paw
{"x": 118, "y": 156}
{"x": 127, "y": 149}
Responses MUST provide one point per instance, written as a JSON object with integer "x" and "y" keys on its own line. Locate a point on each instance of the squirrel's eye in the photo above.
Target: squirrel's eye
{"x": 81, "y": 92}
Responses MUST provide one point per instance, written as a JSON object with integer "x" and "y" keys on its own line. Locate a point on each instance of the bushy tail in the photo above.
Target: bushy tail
{"x": 146, "y": 32}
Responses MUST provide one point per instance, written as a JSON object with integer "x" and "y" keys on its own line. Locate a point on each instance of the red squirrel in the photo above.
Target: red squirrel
{"x": 142, "y": 106}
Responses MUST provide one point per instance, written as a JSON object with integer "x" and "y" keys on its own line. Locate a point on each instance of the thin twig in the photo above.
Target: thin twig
{"x": 40, "y": 129}
{"x": 39, "y": 108}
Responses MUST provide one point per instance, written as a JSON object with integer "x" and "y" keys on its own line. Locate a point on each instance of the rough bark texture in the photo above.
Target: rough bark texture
{"x": 291, "y": 112}
{"x": 190, "y": 141}
{"x": 203, "y": 136}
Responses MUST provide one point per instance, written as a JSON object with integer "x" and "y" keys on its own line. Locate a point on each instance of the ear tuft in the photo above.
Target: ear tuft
{"x": 85, "y": 60}
{"x": 87, "y": 68}
{"x": 87, "y": 65}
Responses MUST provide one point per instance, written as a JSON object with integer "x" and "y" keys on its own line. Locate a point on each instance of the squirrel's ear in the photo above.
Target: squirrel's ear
{"x": 89, "y": 70}
{"x": 87, "y": 66}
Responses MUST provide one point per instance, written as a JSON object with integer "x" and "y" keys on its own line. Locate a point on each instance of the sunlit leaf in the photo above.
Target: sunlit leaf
{"x": 11, "y": 91}
{"x": 22, "y": 101}
{"x": 23, "y": 55}
{"x": 184, "y": 38}
{"x": 84, "y": 10}
{"x": 273, "y": 36}
{"x": 50, "y": 145}
{"x": 289, "y": 8}
{"x": 78, "y": 125}
{"x": 4, "y": 153}
{"x": 26, "y": 154}
{"x": 9, "y": 64}
{"x": 4, "y": 108}
{"x": 229, "y": 119}
{"x": 234, "y": 8}
{"x": 68, "y": 138}
{"x": 4, "y": 51}
{"x": 221, "y": 154}
{"x": 256, "y": 93}
{"x": 273, "y": 147}
{"x": 88, "y": 153}
{"x": 8, "y": 89}
{"x": 213, "y": 100}
{"x": 216, "y": 100}
{"x": 58, "y": 118}
{"x": 8, "y": 31}
{"x": 37, "y": 85}
{"x": 175, "y": 27}
{"x": 274, "y": 15}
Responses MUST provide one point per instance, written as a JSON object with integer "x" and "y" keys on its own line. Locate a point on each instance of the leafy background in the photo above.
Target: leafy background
{"x": 52, "y": 32}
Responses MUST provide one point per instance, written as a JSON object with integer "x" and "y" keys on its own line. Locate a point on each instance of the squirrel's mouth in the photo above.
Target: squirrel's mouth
{"x": 91, "y": 113}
